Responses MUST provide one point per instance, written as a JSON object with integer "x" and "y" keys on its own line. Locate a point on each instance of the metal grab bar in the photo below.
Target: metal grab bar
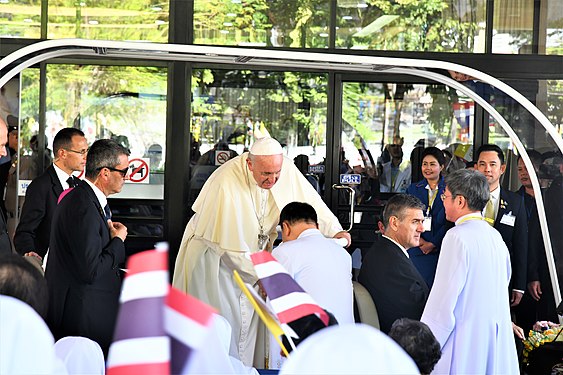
{"x": 352, "y": 193}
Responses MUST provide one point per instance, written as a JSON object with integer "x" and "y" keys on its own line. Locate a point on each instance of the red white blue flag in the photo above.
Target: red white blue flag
{"x": 288, "y": 300}
{"x": 157, "y": 327}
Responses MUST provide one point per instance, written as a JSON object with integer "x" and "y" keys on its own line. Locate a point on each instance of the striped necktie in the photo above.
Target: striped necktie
{"x": 107, "y": 212}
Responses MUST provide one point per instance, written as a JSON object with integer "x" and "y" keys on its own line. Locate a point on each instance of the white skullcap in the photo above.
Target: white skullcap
{"x": 266, "y": 146}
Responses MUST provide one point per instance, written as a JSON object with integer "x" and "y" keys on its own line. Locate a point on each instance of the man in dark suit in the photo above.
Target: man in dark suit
{"x": 86, "y": 250}
{"x": 34, "y": 229}
{"x": 508, "y": 216}
{"x": 5, "y": 245}
{"x": 397, "y": 289}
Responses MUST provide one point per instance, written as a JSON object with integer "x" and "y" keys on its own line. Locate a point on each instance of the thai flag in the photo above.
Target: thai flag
{"x": 288, "y": 300}
{"x": 157, "y": 327}
{"x": 187, "y": 320}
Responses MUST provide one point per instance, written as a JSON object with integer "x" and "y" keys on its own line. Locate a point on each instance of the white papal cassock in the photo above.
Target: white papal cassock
{"x": 468, "y": 307}
{"x": 224, "y": 227}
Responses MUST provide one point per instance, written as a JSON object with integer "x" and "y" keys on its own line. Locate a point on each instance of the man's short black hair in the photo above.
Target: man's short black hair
{"x": 305, "y": 327}
{"x": 490, "y": 147}
{"x": 295, "y": 212}
{"x": 21, "y": 280}
{"x": 418, "y": 341}
{"x": 104, "y": 153}
{"x": 63, "y": 139}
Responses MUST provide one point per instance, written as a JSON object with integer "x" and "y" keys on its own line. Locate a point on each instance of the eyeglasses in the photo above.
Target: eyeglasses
{"x": 122, "y": 171}
{"x": 444, "y": 196}
{"x": 81, "y": 152}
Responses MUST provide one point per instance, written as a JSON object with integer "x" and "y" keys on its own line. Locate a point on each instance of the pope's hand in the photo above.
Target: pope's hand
{"x": 345, "y": 235}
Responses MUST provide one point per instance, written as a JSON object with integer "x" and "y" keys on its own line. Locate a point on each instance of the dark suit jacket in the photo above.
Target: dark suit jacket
{"x": 395, "y": 285}
{"x": 426, "y": 264}
{"x": 34, "y": 228}
{"x": 83, "y": 269}
{"x": 554, "y": 214}
{"x": 5, "y": 244}
{"x": 515, "y": 237}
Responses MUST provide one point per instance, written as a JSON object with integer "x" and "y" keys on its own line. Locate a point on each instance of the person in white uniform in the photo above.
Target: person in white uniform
{"x": 318, "y": 264}
{"x": 236, "y": 213}
{"x": 349, "y": 349}
{"x": 468, "y": 309}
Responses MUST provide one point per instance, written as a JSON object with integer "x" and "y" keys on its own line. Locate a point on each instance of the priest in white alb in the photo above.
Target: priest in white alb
{"x": 236, "y": 213}
{"x": 468, "y": 309}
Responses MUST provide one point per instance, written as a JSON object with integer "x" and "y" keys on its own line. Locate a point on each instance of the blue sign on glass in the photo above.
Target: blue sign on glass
{"x": 350, "y": 179}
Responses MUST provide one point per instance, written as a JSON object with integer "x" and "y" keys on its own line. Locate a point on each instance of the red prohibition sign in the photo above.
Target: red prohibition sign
{"x": 142, "y": 169}
{"x": 222, "y": 157}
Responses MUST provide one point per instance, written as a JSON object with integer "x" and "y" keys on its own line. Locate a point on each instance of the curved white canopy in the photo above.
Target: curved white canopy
{"x": 49, "y": 49}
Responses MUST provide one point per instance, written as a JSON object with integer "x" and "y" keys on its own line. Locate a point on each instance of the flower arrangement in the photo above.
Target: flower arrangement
{"x": 542, "y": 333}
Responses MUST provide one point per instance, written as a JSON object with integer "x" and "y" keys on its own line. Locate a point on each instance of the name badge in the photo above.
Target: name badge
{"x": 427, "y": 223}
{"x": 508, "y": 219}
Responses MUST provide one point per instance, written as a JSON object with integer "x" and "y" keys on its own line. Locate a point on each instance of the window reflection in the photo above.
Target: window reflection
{"x": 446, "y": 26}
{"x": 386, "y": 127}
{"x": 140, "y": 20}
{"x": 231, "y": 108}
{"x": 513, "y": 26}
{"x": 127, "y": 104}
{"x": 282, "y": 23}
{"x": 20, "y": 19}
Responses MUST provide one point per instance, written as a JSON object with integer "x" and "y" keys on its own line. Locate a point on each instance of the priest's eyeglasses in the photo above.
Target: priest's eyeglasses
{"x": 443, "y": 196}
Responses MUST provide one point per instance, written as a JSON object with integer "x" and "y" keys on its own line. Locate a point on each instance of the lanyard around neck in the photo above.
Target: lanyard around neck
{"x": 432, "y": 194}
{"x": 469, "y": 218}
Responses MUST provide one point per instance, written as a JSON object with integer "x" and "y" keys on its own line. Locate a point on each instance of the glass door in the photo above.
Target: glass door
{"x": 384, "y": 126}
{"x": 232, "y": 108}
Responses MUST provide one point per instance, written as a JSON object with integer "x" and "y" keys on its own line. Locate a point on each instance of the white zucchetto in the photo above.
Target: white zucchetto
{"x": 266, "y": 146}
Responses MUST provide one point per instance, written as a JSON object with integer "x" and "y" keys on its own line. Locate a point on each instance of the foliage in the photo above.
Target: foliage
{"x": 441, "y": 112}
{"x": 289, "y": 106}
{"x": 107, "y": 101}
{"x": 288, "y": 23}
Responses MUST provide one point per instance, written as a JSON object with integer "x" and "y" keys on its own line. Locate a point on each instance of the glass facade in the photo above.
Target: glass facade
{"x": 130, "y": 20}
{"x": 262, "y": 23}
{"x": 331, "y": 124}
{"x": 20, "y": 19}
{"x": 438, "y": 26}
{"x": 127, "y": 104}
{"x": 231, "y": 108}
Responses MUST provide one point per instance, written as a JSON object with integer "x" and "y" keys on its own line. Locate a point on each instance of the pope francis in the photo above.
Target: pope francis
{"x": 236, "y": 213}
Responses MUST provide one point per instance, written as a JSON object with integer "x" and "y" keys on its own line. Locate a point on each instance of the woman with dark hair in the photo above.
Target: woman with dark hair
{"x": 428, "y": 190}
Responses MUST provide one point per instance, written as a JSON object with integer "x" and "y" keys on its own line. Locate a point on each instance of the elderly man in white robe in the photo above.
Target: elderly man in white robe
{"x": 236, "y": 213}
{"x": 468, "y": 309}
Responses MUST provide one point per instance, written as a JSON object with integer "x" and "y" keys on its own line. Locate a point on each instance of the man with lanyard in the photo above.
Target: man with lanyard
{"x": 469, "y": 292}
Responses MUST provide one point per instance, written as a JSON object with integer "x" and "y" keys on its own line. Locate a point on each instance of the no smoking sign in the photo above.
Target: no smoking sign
{"x": 139, "y": 171}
